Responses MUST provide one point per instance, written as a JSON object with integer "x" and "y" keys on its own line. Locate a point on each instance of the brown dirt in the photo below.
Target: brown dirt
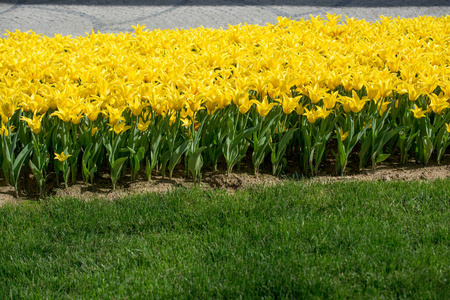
{"x": 391, "y": 172}
{"x": 241, "y": 179}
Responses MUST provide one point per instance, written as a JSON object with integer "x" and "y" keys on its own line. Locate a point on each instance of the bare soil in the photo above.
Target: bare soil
{"x": 242, "y": 178}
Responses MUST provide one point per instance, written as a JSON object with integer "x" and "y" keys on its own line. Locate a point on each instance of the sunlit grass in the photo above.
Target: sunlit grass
{"x": 385, "y": 239}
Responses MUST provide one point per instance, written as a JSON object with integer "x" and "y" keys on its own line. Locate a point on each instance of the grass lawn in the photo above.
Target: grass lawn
{"x": 336, "y": 240}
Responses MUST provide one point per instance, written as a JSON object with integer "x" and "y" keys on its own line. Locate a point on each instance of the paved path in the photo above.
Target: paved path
{"x": 76, "y": 17}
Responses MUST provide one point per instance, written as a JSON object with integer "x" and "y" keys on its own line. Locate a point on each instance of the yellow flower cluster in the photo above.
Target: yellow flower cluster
{"x": 308, "y": 70}
{"x": 190, "y": 70}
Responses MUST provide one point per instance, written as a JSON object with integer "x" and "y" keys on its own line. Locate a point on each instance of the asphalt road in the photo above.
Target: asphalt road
{"x": 76, "y": 17}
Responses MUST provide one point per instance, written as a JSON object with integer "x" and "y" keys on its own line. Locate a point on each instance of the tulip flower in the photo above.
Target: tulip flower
{"x": 62, "y": 157}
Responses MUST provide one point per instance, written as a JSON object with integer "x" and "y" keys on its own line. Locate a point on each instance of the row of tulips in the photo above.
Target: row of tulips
{"x": 154, "y": 99}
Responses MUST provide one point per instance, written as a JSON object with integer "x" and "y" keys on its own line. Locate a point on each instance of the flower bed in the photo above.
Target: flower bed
{"x": 154, "y": 99}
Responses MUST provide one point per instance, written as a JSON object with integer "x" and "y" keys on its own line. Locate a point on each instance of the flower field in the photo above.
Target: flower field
{"x": 150, "y": 100}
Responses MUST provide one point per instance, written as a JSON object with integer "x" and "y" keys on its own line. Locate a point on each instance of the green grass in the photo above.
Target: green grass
{"x": 354, "y": 239}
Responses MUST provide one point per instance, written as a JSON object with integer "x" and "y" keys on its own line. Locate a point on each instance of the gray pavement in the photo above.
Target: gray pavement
{"x": 78, "y": 17}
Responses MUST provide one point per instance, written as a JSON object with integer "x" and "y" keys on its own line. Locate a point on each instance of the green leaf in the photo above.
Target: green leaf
{"x": 286, "y": 138}
{"x": 140, "y": 153}
{"x": 176, "y": 155}
{"x": 66, "y": 173}
{"x": 86, "y": 155}
{"x": 7, "y": 151}
{"x": 386, "y": 137}
{"x": 108, "y": 147}
{"x": 429, "y": 147}
{"x": 36, "y": 172}
{"x": 117, "y": 166}
{"x": 195, "y": 161}
{"x": 341, "y": 152}
{"x": 85, "y": 171}
{"x": 382, "y": 157}
{"x": 365, "y": 146}
{"x": 238, "y": 139}
{"x": 128, "y": 149}
{"x": 18, "y": 162}
{"x": 164, "y": 160}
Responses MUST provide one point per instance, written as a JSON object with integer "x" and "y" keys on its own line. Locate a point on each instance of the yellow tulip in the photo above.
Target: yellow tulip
{"x": 259, "y": 84}
{"x": 383, "y": 106}
{"x": 413, "y": 91}
{"x": 289, "y": 104}
{"x": 385, "y": 87}
{"x": 217, "y": 96}
{"x": 344, "y": 135}
{"x": 143, "y": 126}
{"x": 334, "y": 79}
{"x": 159, "y": 106}
{"x": 315, "y": 92}
{"x": 446, "y": 90}
{"x": 419, "y": 113}
{"x": 438, "y": 103}
{"x": 299, "y": 109}
{"x": 4, "y": 131}
{"x": 372, "y": 92}
{"x": 354, "y": 104}
{"x": 62, "y": 157}
{"x": 195, "y": 103}
{"x": 186, "y": 122}
{"x": 34, "y": 123}
{"x": 114, "y": 115}
{"x": 329, "y": 100}
{"x": 211, "y": 106}
{"x": 125, "y": 92}
{"x": 120, "y": 128}
{"x": 264, "y": 107}
{"x": 92, "y": 111}
{"x": 136, "y": 107}
{"x": 238, "y": 96}
{"x": 34, "y": 103}
{"x": 429, "y": 83}
{"x": 323, "y": 112}
{"x": 245, "y": 107}
{"x": 64, "y": 113}
{"x": 311, "y": 115}
{"x": 8, "y": 107}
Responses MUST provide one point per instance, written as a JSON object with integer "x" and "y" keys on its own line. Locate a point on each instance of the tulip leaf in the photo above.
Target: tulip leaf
{"x": 382, "y": 157}
{"x": 118, "y": 164}
{"x": 18, "y": 162}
